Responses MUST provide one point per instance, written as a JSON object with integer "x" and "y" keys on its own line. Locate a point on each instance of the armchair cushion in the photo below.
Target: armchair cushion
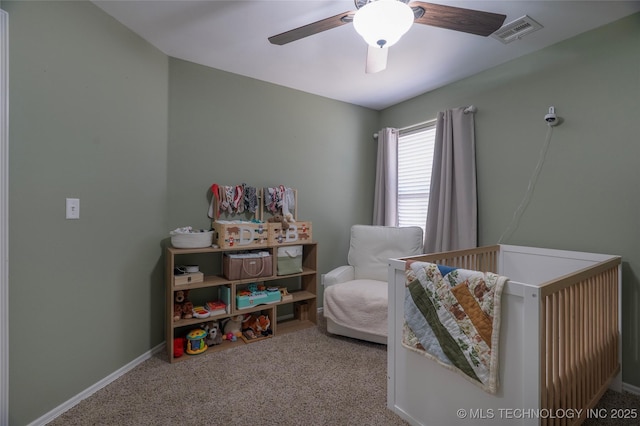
{"x": 356, "y": 295}
{"x": 362, "y": 306}
{"x": 372, "y": 246}
{"x": 339, "y": 275}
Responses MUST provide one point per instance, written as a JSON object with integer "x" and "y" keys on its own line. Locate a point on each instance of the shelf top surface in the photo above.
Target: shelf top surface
{"x": 212, "y": 249}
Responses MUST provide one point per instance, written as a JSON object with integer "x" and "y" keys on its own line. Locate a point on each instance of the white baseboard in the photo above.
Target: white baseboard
{"x": 630, "y": 388}
{"x": 51, "y": 415}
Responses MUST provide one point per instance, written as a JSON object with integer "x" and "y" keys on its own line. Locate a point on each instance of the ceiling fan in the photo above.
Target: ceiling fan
{"x": 382, "y": 22}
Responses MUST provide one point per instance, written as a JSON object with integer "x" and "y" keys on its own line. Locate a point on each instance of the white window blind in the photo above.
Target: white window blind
{"x": 415, "y": 159}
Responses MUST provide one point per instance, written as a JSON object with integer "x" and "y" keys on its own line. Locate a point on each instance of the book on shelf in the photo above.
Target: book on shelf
{"x": 216, "y": 307}
{"x": 224, "y": 295}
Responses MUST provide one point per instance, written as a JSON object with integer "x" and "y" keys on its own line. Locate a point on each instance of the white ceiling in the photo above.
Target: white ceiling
{"x": 232, "y": 36}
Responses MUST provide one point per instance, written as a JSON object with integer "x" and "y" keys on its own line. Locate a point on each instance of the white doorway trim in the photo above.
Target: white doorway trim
{"x": 4, "y": 218}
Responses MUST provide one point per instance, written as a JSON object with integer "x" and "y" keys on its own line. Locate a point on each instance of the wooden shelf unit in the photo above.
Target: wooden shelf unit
{"x": 305, "y": 292}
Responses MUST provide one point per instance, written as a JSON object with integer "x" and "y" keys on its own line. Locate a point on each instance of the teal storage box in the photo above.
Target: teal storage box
{"x": 289, "y": 260}
{"x": 247, "y": 299}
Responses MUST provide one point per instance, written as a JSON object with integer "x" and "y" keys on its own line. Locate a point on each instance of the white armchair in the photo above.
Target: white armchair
{"x": 356, "y": 295}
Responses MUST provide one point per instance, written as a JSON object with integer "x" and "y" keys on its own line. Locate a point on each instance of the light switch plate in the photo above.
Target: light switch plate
{"x": 73, "y": 208}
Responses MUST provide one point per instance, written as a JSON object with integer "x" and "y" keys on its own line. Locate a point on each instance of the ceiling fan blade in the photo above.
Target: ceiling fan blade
{"x": 459, "y": 19}
{"x": 313, "y": 28}
{"x": 376, "y": 59}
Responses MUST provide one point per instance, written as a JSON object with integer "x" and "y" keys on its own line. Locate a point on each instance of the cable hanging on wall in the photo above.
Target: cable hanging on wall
{"x": 552, "y": 120}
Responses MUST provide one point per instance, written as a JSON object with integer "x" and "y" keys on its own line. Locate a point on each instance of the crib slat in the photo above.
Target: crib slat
{"x": 571, "y": 363}
{"x": 599, "y": 335}
{"x": 590, "y": 346}
{"x": 566, "y": 340}
{"x": 580, "y": 321}
{"x": 556, "y": 352}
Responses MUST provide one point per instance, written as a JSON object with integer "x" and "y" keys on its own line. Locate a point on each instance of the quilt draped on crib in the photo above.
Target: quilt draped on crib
{"x": 452, "y": 316}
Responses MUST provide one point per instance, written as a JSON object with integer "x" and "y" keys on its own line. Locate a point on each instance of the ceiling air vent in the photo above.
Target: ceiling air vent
{"x": 516, "y": 30}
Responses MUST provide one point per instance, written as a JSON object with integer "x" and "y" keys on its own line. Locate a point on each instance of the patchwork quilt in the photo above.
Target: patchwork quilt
{"x": 452, "y": 316}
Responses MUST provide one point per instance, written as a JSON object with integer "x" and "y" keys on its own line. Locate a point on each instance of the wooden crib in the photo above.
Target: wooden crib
{"x": 559, "y": 345}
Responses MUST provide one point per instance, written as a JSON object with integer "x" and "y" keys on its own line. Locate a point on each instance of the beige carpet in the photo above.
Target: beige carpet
{"x": 307, "y": 377}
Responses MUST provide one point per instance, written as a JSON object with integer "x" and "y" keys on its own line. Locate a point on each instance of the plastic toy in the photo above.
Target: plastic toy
{"x": 200, "y": 312}
{"x": 178, "y": 347}
{"x": 195, "y": 341}
{"x": 230, "y": 337}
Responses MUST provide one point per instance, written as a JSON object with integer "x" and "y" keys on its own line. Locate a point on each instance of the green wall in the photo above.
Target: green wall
{"x": 586, "y": 198}
{"x": 228, "y": 129}
{"x": 88, "y": 120}
{"x": 99, "y": 114}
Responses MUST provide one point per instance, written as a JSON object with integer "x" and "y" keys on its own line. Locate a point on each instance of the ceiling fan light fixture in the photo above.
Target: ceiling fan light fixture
{"x": 381, "y": 23}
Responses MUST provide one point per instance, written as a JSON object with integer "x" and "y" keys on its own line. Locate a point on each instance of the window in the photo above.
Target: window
{"x": 415, "y": 158}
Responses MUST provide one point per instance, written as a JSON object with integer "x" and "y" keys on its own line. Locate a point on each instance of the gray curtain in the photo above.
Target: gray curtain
{"x": 385, "y": 201}
{"x": 452, "y": 218}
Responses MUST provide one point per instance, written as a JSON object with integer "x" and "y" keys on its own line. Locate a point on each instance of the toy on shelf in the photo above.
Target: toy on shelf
{"x": 284, "y": 294}
{"x": 214, "y": 335}
{"x": 230, "y": 337}
{"x": 178, "y": 347}
{"x": 233, "y": 325}
{"x": 255, "y": 326}
{"x": 256, "y": 294}
{"x": 200, "y": 312}
{"x": 282, "y": 220}
{"x": 177, "y": 311}
{"x": 182, "y": 307}
{"x": 195, "y": 341}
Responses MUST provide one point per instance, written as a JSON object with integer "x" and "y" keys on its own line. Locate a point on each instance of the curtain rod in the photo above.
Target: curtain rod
{"x": 418, "y": 125}
{"x": 470, "y": 109}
